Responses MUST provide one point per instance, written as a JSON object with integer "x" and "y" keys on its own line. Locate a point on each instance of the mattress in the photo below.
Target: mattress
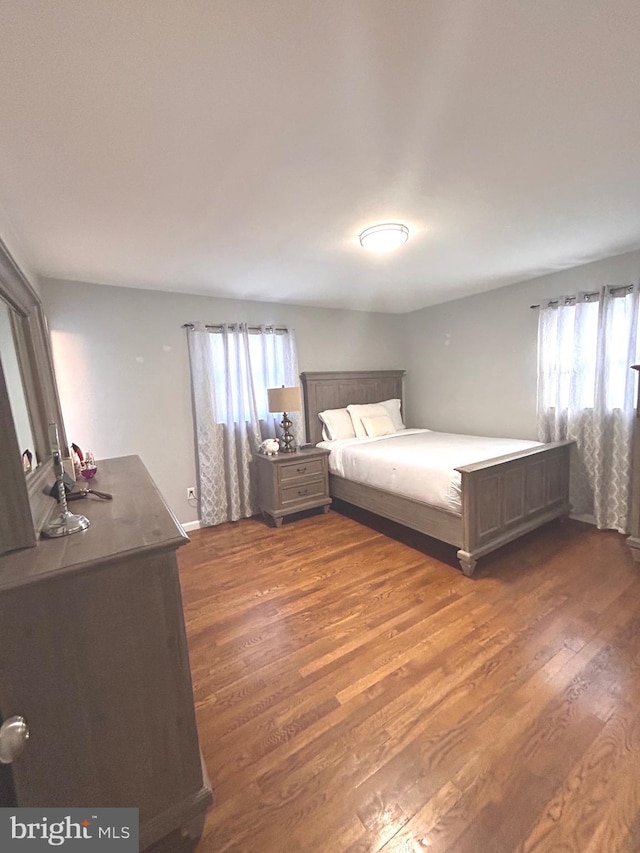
{"x": 417, "y": 463}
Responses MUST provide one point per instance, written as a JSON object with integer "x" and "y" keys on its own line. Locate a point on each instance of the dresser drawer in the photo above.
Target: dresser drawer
{"x": 289, "y": 472}
{"x": 298, "y": 494}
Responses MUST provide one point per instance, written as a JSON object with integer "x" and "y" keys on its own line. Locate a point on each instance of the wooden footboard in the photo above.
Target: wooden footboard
{"x": 506, "y": 497}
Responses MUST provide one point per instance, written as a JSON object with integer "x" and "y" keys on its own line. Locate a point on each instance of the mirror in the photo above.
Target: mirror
{"x": 25, "y": 503}
{"x": 15, "y": 390}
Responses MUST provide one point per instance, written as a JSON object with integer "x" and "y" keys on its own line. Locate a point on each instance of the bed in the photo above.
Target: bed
{"x": 501, "y": 498}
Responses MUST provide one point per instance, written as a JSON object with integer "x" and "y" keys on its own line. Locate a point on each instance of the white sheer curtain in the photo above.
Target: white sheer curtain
{"x": 274, "y": 361}
{"x": 586, "y": 393}
{"x": 231, "y": 368}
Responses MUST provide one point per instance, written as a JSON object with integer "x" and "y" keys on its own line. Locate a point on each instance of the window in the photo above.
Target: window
{"x": 244, "y": 366}
{"x": 231, "y": 368}
{"x": 577, "y": 343}
{"x": 586, "y": 347}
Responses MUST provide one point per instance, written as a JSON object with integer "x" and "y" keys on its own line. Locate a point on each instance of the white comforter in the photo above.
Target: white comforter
{"x": 417, "y": 463}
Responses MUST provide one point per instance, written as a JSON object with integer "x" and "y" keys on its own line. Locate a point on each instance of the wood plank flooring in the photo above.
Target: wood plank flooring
{"x": 355, "y": 692}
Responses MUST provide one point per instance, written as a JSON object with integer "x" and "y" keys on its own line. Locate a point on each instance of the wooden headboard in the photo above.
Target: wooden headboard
{"x": 336, "y": 390}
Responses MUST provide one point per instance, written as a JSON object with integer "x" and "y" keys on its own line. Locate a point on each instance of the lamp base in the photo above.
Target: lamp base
{"x": 64, "y": 525}
{"x": 287, "y": 440}
{"x": 287, "y": 443}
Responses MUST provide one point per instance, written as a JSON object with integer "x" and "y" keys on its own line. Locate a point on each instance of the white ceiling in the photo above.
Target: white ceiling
{"x": 237, "y": 147}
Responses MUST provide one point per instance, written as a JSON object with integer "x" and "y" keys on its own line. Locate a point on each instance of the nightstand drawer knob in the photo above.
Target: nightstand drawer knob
{"x": 301, "y": 470}
{"x": 302, "y": 492}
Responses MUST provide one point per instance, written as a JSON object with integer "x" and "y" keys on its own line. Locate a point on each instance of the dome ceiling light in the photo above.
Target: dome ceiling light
{"x": 384, "y": 237}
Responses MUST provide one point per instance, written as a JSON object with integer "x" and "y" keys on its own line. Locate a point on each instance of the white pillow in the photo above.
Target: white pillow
{"x": 370, "y": 410}
{"x": 337, "y": 424}
{"x": 393, "y": 407}
{"x": 388, "y": 407}
{"x": 378, "y": 425}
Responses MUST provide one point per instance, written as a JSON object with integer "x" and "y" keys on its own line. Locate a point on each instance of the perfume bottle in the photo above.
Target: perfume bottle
{"x": 89, "y": 467}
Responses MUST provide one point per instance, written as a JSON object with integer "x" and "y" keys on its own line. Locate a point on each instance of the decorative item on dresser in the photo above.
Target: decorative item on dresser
{"x": 502, "y": 498}
{"x": 287, "y": 485}
{"x": 633, "y": 540}
{"x": 66, "y": 522}
{"x": 94, "y": 658}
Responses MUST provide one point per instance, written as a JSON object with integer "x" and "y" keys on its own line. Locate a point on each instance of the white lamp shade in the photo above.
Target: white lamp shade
{"x": 284, "y": 399}
{"x": 384, "y": 237}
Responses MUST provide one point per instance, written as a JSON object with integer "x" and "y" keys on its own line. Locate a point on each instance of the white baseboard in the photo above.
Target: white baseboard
{"x": 588, "y": 519}
{"x": 192, "y": 525}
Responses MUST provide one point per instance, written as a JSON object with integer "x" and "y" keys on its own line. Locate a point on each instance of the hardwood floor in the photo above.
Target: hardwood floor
{"x": 355, "y": 692}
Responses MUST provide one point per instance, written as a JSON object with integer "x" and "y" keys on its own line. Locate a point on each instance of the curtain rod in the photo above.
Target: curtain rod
{"x": 220, "y": 326}
{"x": 569, "y": 300}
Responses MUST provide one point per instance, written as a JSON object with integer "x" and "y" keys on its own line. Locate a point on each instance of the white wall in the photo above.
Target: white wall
{"x": 123, "y": 372}
{"x": 471, "y": 364}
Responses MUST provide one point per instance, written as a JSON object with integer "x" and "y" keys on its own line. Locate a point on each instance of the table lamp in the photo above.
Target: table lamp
{"x": 285, "y": 400}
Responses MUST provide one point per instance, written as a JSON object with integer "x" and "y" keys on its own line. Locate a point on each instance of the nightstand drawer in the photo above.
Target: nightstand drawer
{"x": 301, "y": 469}
{"x": 302, "y": 492}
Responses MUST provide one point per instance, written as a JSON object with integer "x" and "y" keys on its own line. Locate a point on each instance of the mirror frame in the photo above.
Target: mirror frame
{"x": 27, "y": 502}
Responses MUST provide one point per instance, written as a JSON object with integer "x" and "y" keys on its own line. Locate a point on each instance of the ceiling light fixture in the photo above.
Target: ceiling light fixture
{"x": 384, "y": 237}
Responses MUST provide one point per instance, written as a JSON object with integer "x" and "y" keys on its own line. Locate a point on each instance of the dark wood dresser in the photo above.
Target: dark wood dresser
{"x": 93, "y": 655}
{"x": 292, "y": 482}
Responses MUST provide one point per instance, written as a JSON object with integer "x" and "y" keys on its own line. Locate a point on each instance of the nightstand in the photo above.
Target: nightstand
{"x": 292, "y": 482}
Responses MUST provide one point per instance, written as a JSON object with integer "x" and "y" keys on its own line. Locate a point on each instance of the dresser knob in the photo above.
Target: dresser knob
{"x": 14, "y": 734}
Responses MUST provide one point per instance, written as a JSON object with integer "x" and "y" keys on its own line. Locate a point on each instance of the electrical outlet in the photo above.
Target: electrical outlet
{"x": 191, "y": 494}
